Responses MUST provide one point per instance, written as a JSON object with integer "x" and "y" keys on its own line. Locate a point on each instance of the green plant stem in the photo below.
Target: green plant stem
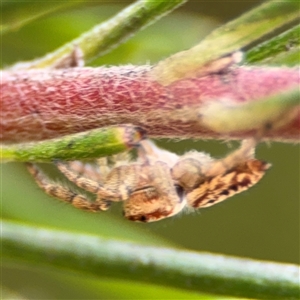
{"x": 233, "y": 36}
{"x": 108, "y": 35}
{"x": 265, "y": 114}
{"x": 216, "y": 274}
{"x": 279, "y": 47}
{"x": 91, "y": 144}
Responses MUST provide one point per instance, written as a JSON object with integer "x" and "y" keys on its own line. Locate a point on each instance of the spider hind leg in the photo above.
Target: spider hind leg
{"x": 63, "y": 193}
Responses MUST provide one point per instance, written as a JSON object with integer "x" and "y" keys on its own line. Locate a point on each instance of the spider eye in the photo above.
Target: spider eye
{"x": 143, "y": 219}
{"x": 180, "y": 192}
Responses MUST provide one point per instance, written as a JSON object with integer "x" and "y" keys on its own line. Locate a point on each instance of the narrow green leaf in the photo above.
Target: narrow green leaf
{"x": 85, "y": 145}
{"x": 282, "y": 49}
{"x": 203, "y": 272}
{"x": 274, "y": 111}
{"x": 233, "y": 36}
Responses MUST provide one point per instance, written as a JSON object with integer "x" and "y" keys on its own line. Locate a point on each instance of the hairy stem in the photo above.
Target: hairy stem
{"x": 43, "y": 104}
{"x": 209, "y": 273}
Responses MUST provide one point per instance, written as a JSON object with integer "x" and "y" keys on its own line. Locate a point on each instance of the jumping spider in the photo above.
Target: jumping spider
{"x": 159, "y": 184}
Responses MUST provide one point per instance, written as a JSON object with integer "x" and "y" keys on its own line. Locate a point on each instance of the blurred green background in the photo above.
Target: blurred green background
{"x": 261, "y": 223}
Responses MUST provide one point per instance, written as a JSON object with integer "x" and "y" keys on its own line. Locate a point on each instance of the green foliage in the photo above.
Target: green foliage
{"x": 93, "y": 144}
{"x": 282, "y": 49}
{"x": 163, "y": 266}
{"x": 234, "y": 36}
{"x": 262, "y": 223}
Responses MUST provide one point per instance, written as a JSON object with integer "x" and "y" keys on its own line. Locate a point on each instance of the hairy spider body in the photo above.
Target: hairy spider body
{"x": 159, "y": 184}
{"x": 216, "y": 189}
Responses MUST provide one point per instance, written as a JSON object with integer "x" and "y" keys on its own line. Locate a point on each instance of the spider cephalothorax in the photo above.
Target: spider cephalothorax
{"x": 159, "y": 184}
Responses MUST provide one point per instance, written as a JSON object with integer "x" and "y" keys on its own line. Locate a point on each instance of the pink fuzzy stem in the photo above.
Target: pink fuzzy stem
{"x": 42, "y": 104}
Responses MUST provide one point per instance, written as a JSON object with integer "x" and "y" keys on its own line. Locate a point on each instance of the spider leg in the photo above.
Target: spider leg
{"x": 116, "y": 187}
{"x": 81, "y": 181}
{"x": 148, "y": 152}
{"x": 88, "y": 170}
{"x": 98, "y": 174}
{"x": 63, "y": 193}
{"x": 120, "y": 159}
{"x": 161, "y": 179}
{"x": 241, "y": 155}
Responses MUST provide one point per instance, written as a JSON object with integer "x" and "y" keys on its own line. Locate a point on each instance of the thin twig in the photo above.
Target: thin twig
{"x": 108, "y": 35}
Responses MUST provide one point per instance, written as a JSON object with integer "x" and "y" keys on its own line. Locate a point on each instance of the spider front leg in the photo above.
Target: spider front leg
{"x": 63, "y": 193}
{"x": 238, "y": 157}
{"x": 117, "y": 185}
{"x": 89, "y": 170}
{"x": 111, "y": 191}
{"x": 98, "y": 170}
